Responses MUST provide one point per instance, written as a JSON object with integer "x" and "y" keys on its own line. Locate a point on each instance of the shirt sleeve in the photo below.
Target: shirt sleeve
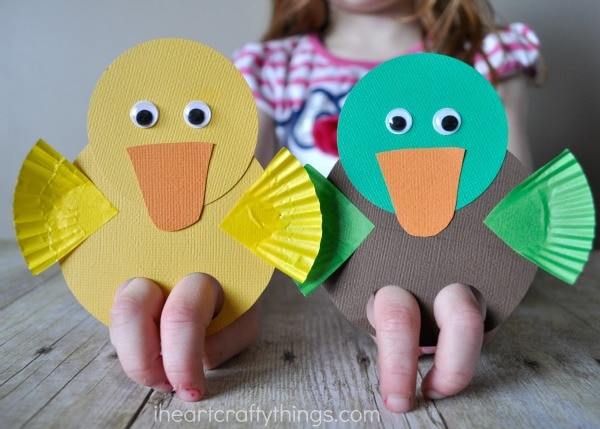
{"x": 250, "y": 60}
{"x": 510, "y": 51}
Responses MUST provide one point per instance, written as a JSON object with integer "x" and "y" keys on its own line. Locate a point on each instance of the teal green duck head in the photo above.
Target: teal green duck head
{"x": 422, "y": 136}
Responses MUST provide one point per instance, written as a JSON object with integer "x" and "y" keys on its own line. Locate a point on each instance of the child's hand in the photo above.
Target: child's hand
{"x": 395, "y": 315}
{"x": 162, "y": 343}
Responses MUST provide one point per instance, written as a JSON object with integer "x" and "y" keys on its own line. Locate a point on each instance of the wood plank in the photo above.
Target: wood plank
{"x": 14, "y": 275}
{"x": 540, "y": 371}
{"x": 58, "y": 368}
{"x": 55, "y": 356}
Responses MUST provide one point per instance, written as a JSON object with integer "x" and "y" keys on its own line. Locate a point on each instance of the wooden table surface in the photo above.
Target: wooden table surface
{"x": 309, "y": 367}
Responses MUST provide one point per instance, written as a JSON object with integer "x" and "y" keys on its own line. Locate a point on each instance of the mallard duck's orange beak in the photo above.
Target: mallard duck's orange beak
{"x": 172, "y": 179}
{"x": 423, "y": 187}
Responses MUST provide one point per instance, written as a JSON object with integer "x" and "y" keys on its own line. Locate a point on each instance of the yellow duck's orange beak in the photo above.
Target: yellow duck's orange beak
{"x": 423, "y": 186}
{"x": 172, "y": 179}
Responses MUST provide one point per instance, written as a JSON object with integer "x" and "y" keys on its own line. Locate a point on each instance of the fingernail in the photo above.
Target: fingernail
{"x": 189, "y": 394}
{"x": 122, "y": 287}
{"x": 398, "y": 403}
{"x": 164, "y": 387}
{"x": 432, "y": 394}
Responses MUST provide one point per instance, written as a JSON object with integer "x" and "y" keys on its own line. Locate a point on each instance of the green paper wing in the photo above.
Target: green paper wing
{"x": 549, "y": 218}
{"x": 344, "y": 229}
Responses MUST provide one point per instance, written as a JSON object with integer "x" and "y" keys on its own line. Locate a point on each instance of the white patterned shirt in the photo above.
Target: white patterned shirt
{"x": 302, "y": 86}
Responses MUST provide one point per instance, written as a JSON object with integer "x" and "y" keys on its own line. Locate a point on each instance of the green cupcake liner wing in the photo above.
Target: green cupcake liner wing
{"x": 549, "y": 218}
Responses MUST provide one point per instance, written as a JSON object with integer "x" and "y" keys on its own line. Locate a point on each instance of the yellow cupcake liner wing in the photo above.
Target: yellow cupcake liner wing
{"x": 55, "y": 207}
{"x": 549, "y": 218}
{"x": 279, "y": 217}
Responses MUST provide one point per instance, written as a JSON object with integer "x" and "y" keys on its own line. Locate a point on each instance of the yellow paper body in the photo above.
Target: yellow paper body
{"x": 131, "y": 246}
{"x": 170, "y": 73}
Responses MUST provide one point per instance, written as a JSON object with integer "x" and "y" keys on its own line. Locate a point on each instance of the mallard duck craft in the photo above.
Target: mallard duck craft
{"x": 172, "y": 130}
{"x": 426, "y": 194}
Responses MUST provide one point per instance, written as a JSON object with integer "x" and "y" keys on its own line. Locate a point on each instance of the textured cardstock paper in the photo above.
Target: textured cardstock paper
{"x": 465, "y": 252}
{"x": 550, "y": 218}
{"x": 423, "y": 184}
{"x": 344, "y": 229}
{"x": 172, "y": 180}
{"x": 170, "y": 73}
{"x": 279, "y": 217}
{"x": 423, "y": 84}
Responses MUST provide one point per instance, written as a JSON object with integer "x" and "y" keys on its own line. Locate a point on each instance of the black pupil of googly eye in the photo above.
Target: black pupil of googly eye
{"x": 397, "y": 123}
{"x": 196, "y": 116}
{"x": 144, "y": 118}
{"x": 450, "y": 123}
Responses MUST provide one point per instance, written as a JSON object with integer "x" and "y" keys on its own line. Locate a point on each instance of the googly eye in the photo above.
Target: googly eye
{"x": 446, "y": 121}
{"x": 398, "y": 121}
{"x": 144, "y": 114}
{"x": 197, "y": 114}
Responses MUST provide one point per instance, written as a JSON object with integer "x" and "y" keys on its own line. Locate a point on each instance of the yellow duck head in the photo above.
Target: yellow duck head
{"x": 173, "y": 125}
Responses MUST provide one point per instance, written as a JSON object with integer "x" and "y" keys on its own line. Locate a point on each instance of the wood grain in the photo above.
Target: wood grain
{"x": 59, "y": 370}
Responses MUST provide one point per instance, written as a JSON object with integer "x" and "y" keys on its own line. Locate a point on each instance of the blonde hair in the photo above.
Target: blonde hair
{"x": 451, "y": 27}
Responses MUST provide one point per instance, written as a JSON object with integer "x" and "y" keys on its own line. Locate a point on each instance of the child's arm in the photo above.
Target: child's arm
{"x": 513, "y": 93}
{"x": 161, "y": 343}
{"x": 267, "y": 140}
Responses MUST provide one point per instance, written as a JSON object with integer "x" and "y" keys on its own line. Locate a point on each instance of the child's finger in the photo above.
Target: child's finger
{"x": 187, "y": 312}
{"x": 460, "y": 320}
{"x": 134, "y": 332}
{"x": 397, "y": 326}
{"x": 232, "y": 339}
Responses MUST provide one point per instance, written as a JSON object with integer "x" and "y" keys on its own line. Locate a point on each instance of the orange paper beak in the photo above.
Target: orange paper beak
{"x": 423, "y": 186}
{"x": 172, "y": 179}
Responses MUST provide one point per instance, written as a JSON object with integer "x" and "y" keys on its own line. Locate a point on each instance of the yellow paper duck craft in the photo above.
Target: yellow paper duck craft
{"x": 425, "y": 194}
{"x": 172, "y": 129}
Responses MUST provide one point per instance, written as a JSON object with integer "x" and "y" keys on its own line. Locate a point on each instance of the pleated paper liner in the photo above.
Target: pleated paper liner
{"x": 550, "y": 218}
{"x": 55, "y": 207}
{"x": 279, "y": 217}
{"x": 344, "y": 230}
